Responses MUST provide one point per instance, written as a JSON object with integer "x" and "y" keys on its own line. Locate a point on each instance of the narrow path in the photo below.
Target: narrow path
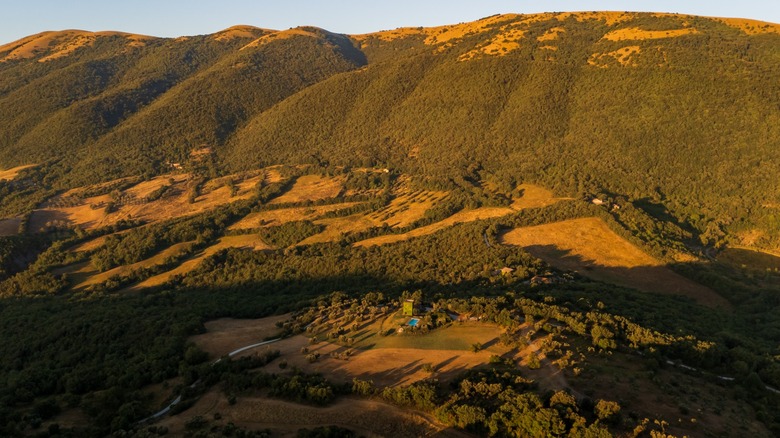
{"x": 177, "y": 400}
{"x": 724, "y": 378}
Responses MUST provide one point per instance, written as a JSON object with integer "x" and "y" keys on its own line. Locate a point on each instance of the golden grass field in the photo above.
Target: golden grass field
{"x": 89, "y": 245}
{"x": 233, "y": 32}
{"x": 752, "y": 27}
{"x": 90, "y": 212}
{"x": 551, "y": 34}
{"x": 245, "y": 241}
{"x": 406, "y": 208}
{"x": 311, "y": 188}
{"x": 531, "y": 196}
{"x": 633, "y": 34}
{"x": 270, "y": 218}
{"x": 505, "y": 42}
{"x": 369, "y": 418}
{"x": 335, "y": 228}
{"x": 56, "y": 44}
{"x": 10, "y": 174}
{"x": 94, "y": 277}
{"x": 589, "y": 247}
{"x": 227, "y": 334}
{"x": 746, "y": 257}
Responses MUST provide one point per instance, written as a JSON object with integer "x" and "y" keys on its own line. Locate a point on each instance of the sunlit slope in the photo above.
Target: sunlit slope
{"x": 677, "y": 109}
{"x": 668, "y": 107}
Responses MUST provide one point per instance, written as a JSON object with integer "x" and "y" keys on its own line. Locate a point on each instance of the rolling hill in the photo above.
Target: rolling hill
{"x": 587, "y": 104}
{"x": 583, "y": 208}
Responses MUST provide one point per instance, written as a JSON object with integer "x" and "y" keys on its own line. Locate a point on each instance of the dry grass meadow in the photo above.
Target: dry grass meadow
{"x": 589, "y": 247}
{"x": 10, "y": 174}
{"x": 311, "y": 188}
{"x": 245, "y": 241}
{"x": 529, "y": 196}
{"x": 369, "y": 418}
{"x": 270, "y": 218}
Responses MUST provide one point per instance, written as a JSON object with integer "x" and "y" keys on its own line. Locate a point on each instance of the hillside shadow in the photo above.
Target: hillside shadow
{"x": 661, "y": 279}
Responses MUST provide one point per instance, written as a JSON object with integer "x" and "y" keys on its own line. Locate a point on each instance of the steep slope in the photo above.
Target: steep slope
{"x": 677, "y": 109}
{"x": 81, "y": 95}
{"x": 206, "y": 108}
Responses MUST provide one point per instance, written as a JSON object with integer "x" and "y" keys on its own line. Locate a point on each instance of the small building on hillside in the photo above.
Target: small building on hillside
{"x": 410, "y": 308}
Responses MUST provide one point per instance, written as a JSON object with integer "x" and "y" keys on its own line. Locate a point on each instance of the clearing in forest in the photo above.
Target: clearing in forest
{"x": 227, "y": 334}
{"x": 270, "y": 218}
{"x": 530, "y": 196}
{"x": 634, "y": 33}
{"x": 91, "y": 276}
{"x": 134, "y": 203}
{"x": 590, "y": 247}
{"x": 246, "y": 241}
{"x": 369, "y": 418}
{"x": 750, "y": 258}
{"x": 387, "y": 359}
{"x": 10, "y": 174}
{"x": 311, "y": 188}
{"x": 336, "y": 228}
{"x": 406, "y": 208}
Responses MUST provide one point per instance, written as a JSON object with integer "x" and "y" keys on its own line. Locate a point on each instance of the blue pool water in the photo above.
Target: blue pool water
{"x": 413, "y": 322}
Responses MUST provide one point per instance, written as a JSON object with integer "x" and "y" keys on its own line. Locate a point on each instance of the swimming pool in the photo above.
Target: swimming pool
{"x": 413, "y": 322}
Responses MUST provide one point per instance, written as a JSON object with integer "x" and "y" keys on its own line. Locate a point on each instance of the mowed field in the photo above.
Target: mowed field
{"x": 227, "y": 334}
{"x": 589, "y": 247}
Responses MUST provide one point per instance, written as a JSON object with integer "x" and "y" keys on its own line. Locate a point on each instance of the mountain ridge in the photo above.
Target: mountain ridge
{"x": 579, "y": 102}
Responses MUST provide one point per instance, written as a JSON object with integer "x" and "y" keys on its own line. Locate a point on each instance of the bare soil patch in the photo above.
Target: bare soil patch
{"x": 589, "y": 247}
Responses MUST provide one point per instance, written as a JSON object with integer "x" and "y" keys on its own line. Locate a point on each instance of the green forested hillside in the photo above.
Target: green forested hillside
{"x": 678, "y": 110}
{"x": 597, "y": 192}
